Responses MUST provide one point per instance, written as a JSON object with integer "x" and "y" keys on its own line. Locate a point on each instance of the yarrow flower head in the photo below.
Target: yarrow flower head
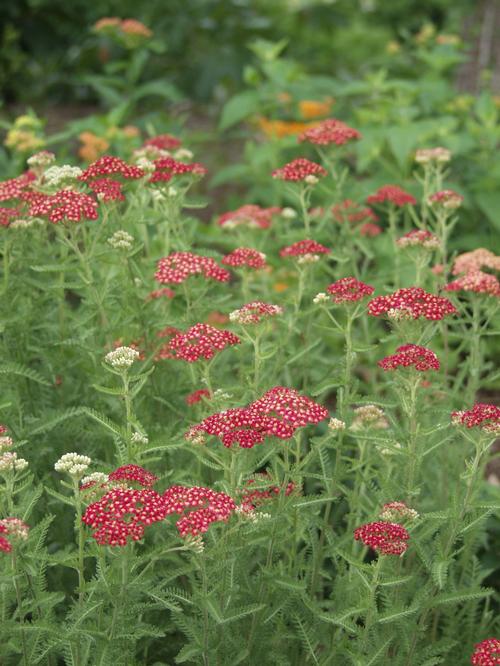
{"x": 39, "y": 161}
{"x": 305, "y": 251}
{"x": 334, "y": 425}
{"x": 122, "y": 358}
{"x": 384, "y": 537}
{"x": 134, "y": 473}
{"x": 414, "y": 303}
{"x": 139, "y": 438}
{"x": 9, "y": 462}
{"x": 200, "y": 341}
{"x": 475, "y": 261}
{"x": 420, "y": 358}
{"x": 369, "y": 417}
{"x": 5, "y": 442}
{"x": 419, "y": 238}
{"x": 13, "y": 188}
{"x": 5, "y": 545}
{"x": 14, "y": 528}
{"x": 432, "y": 155}
{"x": 197, "y": 396}
{"x": 255, "y": 312}
{"x": 328, "y": 132}
{"x": 107, "y": 189}
{"x": 477, "y": 282}
{"x": 73, "y": 464}
{"x": 448, "y": 199}
{"x": 397, "y": 511}
{"x": 482, "y": 415}
{"x": 208, "y": 506}
{"x": 8, "y": 215}
{"x": 178, "y": 266}
{"x": 108, "y": 165}
{"x": 486, "y": 653}
{"x": 245, "y": 256}
{"x": 392, "y": 194}
{"x": 121, "y": 240}
{"x": 349, "y": 290}
{"x": 58, "y": 176}
{"x": 249, "y": 216}
{"x": 163, "y": 142}
{"x": 122, "y": 515}
{"x": 63, "y": 206}
{"x": 299, "y": 169}
{"x": 167, "y": 167}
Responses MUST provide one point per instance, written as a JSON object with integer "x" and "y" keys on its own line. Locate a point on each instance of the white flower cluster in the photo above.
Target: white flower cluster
{"x": 427, "y": 155}
{"x": 220, "y": 394}
{"x": 145, "y": 164}
{"x": 308, "y": 258}
{"x": 122, "y": 357}
{"x": 5, "y": 442}
{"x": 321, "y": 298}
{"x": 58, "y": 175}
{"x": 121, "y": 240}
{"x": 311, "y": 180}
{"x": 252, "y": 516}
{"x": 195, "y": 543}
{"x": 97, "y": 478}
{"x": 139, "y": 438}
{"x": 183, "y": 154}
{"x": 10, "y": 462}
{"x": 288, "y": 213}
{"x": 73, "y": 464}
{"x": 335, "y": 425}
{"x": 41, "y": 159}
{"x": 369, "y": 417}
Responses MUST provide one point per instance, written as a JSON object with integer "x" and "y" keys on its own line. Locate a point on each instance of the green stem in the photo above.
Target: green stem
{"x": 19, "y": 603}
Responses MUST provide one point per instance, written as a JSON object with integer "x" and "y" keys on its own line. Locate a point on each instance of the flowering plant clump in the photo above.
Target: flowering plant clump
{"x": 414, "y": 303}
{"x": 392, "y": 194}
{"x": 349, "y": 290}
{"x": 300, "y": 169}
{"x": 245, "y": 256}
{"x": 178, "y": 266}
{"x": 415, "y": 356}
{"x": 200, "y": 341}
{"x": 384, "y": 537}
{"x": 330, "y": 131}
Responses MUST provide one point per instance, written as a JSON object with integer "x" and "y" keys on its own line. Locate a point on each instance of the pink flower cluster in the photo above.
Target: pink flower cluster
{"x": 392, "y": 194}
{"x": 197, "y": 396}
{"x": 278, "y": 413}
{"x": 178, "y": 266}
{"x": 13, "y": 188}
{"x": 255, "y": 312}
{"x": 413, "y": 302}
{"x": 486, "y": 653}
{"x": 299, "y": 169}
{"x": 384, "y": 537}
{"x": 349, "y": 290}
{"x": 200, "y": 341}
{"x": 166, "y": 168}
{"x": 477, "y": 282}
{"x": 249, "y": 215}
{"x": 475, "y": 261}
{"x": 304, "y": 247}
{"x": 330, "y": 131}
{"x": 209, "y": 507}
{"x": 107, "y": 189}
{"x": 245, "y": 256}
{"x": 482, "y": 415}
{"x": 446, "y": 199}
{"x": 419, "y": 238}
{"x": 421, "y": 358}
{"x": 163, "y": 142}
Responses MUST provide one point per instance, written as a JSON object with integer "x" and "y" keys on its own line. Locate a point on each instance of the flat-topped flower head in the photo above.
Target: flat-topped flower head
{"x": 59, "y": 177}
{"x": 250, "y": 215}
{"x": 432, "y": 155}
{"x": 448, "y": 199}
{"x": 122, "y": 358}
{"x": 167, "y": 168}
{"x": 414, "y": 356}
{"x": 486, "y": 653}
{"x": 413, "y": 303}
{"x": 107, "y": 165}
{"x": 355, "y": 213}
{"x": 304, "y": 251}
{"x": 39, "y": 161}
{"x": 349, "y": 290}
{"x": 197, "y": 396}
{"x": 419, "y": 238}
{"x": 122, "y": 515}
{"x": 255, "y": 312}
{"x": 134, "y": 473}
{"x": 200, "y": 341}
{"x": 397, "y": 511}
{"x": 73, "y": 464}
{"x": 178, "y": 266}
{"x": 477, "y": 282}
{"x": 107, "y": 189}
{"x": 475, "y": 261}
{"x": 384, "y": 537}
{"x": 13, "y": 188}
{"x": 299, "y": 169}
{"x": 483, "y": 415}
{"x": 198, "y": 507}
{"x": 63, "y": 206}
{"x": 9, "y": 462}
{"x": 336, "y": 425}
{"x": 369, "y": 417}
{"x": 392, "y": 194}
{"x": 245, "y": 257}
{"x": 163, "y": 142}
{"x": 15, "y": 529}
{"x": 121, "y": 240}
{"x": 328, "y": 132}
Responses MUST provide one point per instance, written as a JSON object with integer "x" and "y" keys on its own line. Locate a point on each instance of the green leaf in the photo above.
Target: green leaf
{"x": 238, "y": 108}
{"x": 108, "y": 390}
{"x": 23, "y": 371}
{"x": 439, "y": 573}
{"x": 489, "y": 203}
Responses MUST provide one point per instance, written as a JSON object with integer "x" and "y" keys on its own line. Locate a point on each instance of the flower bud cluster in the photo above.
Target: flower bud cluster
{"x": 122, "y": 358}
{"x": 369, "y": 417}
{"x": 432, "y": 155}
{"x": 121, "y": 240}
{"x": 73, "y": 464}
{"x": 58, "y": 176}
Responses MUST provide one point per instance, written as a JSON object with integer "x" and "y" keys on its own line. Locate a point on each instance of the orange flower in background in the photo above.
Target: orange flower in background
{"x": 281, "y": 128}
{"x": 310, "y": 109}
{"x": 92, "y": 147}
{"x": 106, "y": 23}
{"x": 131, "y": 131}
{"x": 133, "y": 27}
{"x": 280, "y": 287}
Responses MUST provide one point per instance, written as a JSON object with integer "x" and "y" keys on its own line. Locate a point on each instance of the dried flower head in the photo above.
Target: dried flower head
{"x": 419, "y": 238}
{"x": 349, "y": 290}
{"x": 299, "y": 169}
{"x": 369, "y": 417}
{"x": 73, "y": 464}
{"x": 383, "y": 537}
{"x": 200, "y": 341}
{"x": 249, "y": 216}
{"x": 199, "y": 507}
{"x": 476, "y": 282}
{"x": 122, "y": 358}
{"x": 447, "y": 199}
{"x": 255, "y": 312}
{"x": 392, "y": 194}
{"x": 432, "y": 155}
{"x": 414, "y": 302}
{"x": 245, "y": 256}
{"x": 397, "y": 511}
{"x": 328, "y": 132}
{"x": 483, "y": 415}
{"x": 134, "y": 473}
{"x": 420, "y": 358}
{"x": 178, "y": 266}
{"x": 486, "y": 653}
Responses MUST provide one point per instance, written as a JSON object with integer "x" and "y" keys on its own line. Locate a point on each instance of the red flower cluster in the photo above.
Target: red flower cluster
{"x": 122, "y": 514}
{"x": 278, "y": 413}
{"x": 7, "y": 215}
{"x": 477, "y": 282}
{"x": 420, "y": 358}
{"x": 163, "y": 142}
{"x": 245, "y": 256}
{"x": 197, "y": 396}
{"x": 386, "y": 538}
{"x": 392, "y": 194}
{"x": 107, "y": 165}
{"x": 5, "y": 545}
{"x": 304, "y": 247}
{"x": 134, "y": 473}
{"x": 200, "y": 341}
{"x": 419, "y": 237}
{"x": 482, "y": 415}
{"x": 158, "y": 293}
{"x": 178, "y": 266}
{"x": 330, "y": 131}
{"x": 209, "y": 507}
{"x": 349, "y": 290}
{"x": 107, "y": 189}
{"x": 446, "y": 199}
{"x": 299, "y": 169}
{"x": 353, "y": 212}
{"x": 3, "y": 429}
{"x": 13, "y": 188}
{"x": 249, "y": 215}
{"x": 167, "y": 167}
{"x": 254, "y": 312}
{"x": 253, "y": 498}
{"x": 413, "y": 302}
{"x": 63, "y": 205}
{"x": 486, "y": 653}
{"x": 369, "y": 229}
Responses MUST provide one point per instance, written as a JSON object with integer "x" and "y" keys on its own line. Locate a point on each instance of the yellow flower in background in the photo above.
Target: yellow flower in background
{"x": 393, "y": 47}
{"x": 313, "y": 109}
{"x": 92, "y": 147}
{"x": 426, "y": 32}
{"x": 23, "y": 141}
